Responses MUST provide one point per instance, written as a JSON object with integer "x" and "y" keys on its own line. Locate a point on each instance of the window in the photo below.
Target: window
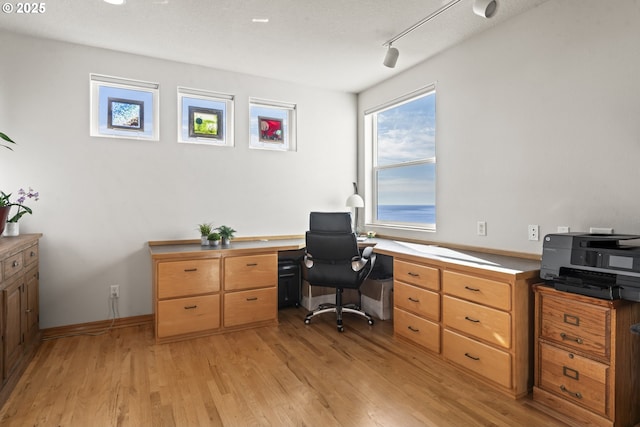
{"x": 403, "y": 165}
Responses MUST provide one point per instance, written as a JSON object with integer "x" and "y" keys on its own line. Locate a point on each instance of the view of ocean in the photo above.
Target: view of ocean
{"x": 423, "y": 214}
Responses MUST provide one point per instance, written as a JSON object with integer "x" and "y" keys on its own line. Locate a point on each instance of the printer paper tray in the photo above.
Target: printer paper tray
{"x": 602, "y": 292}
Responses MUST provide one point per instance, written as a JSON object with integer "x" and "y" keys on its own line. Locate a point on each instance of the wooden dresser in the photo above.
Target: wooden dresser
{"x": 200, "y": 290}
{"x": 587, "y": 361}
{"x": 19, "y": 307}
{"x": 473, "y": 310}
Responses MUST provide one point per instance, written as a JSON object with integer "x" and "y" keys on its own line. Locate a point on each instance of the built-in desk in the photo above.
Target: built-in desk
{"x": 473, "y": 309}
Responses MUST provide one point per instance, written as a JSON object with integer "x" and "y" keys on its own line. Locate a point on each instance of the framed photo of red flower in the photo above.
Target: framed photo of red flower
{"x": 272, "y": 125}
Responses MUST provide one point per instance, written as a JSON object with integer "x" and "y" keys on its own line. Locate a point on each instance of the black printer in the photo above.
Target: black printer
{"x": 599, "y": 265}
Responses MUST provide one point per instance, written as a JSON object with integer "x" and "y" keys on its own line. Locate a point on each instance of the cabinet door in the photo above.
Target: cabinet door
{"x": 33, "y": 303}
{"x": 15, "y": 317}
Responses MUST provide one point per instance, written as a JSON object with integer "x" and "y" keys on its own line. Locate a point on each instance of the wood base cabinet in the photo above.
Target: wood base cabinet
{"x": 587, "y": 361}
{"x": 19, "y": 307}
{"x": 203, "y": 292}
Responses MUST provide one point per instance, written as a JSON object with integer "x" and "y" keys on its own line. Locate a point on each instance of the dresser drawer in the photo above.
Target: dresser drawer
{"x": 490, "y": 362}
{"x": 479, "y": 321}
{"x": 417, "y": 329}
{"x": 578, "y": 379}
{"x": 30, "y": 255}
{"x": 575, "y": 324}
{"x": 186, "y": 315}
{"x": 417, "y": 274}
{"x": 417, "y": 300}
{"x": 184, "y": 278}
{"x": 12, "y": 265}
{"x": 477, "y": 289}
{"x": 250, "y": 306}
{"x": 254, "y": 271}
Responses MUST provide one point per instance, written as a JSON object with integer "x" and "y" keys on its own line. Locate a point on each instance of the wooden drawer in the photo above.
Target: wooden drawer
{"x": 417, "y": 300}
{"x": 490, "y": 362}
{"x": 417, "y": 274}
{"x": 417, "y": 329}
{"x": 30, "y": 255}
{"x": 12, "y": 265}
{"x": 186, "y": 278}
{"x": 573, "y": 377}
{"x": 575, "y": 324}
{"x": 250, "y": 306}
{"x": 254, "y": 271}
{"x": 479, "y": 321}
{"x": 477, "y": 289}
{"x": 186, "y": 315}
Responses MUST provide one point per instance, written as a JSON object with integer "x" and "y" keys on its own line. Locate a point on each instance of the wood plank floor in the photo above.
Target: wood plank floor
{"x": 286, "y": 375}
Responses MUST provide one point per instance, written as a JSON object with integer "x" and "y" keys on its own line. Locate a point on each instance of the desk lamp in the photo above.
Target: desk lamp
{"x": 355, "y": 201}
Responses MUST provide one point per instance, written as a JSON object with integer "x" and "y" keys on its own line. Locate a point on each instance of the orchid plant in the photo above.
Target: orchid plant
{"x": 22, "y": 197}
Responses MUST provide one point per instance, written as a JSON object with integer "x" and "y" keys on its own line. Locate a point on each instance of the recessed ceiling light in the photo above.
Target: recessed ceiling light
{"x": 260, "y": 20}
{"x": 118, "y": 2}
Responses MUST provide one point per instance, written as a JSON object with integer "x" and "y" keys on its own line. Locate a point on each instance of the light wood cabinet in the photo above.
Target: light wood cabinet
{"x": 205, "y": 291}
{"x": 478, "y": 319}
{"x": 19, "y": 307}
{"x": 587, "y": 367}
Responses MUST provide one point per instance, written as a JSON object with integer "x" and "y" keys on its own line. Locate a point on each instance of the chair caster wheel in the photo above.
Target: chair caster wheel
{"x": 307, "y": 321}
{"x": 371, "y": 322}
{"x": 340, "y": 328}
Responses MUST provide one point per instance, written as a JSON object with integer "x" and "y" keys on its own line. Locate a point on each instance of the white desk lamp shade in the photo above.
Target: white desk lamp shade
{"x": 355, "y": 201}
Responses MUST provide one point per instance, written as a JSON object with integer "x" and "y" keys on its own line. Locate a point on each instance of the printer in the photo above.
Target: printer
{"x": 604, "y": 266}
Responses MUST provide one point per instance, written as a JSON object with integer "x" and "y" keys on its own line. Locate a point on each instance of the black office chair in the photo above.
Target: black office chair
{"x": 332, "y": 259}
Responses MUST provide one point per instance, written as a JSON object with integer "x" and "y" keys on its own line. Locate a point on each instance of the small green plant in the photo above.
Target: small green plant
{"x": 226, "y": 232}
{"x": 213, "y": 237}
{"x": 205, "y": 228}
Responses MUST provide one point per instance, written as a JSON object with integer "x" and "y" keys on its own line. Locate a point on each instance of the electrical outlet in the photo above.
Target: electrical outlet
{"x": 534, "y": 232}
{"x": 114, "y": 291}
{"x": 563, "y": 229}
{"x": 482, "y": 228}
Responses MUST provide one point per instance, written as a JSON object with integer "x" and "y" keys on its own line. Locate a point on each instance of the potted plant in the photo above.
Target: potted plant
{"x": 12, "y": 223}
{"x": 227, "y": 234}
{"x": 214, "y": 239}
{"x": 205, "y": 229}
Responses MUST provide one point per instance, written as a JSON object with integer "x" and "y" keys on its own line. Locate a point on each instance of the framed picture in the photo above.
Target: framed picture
{"x": 272, "y": 125}
{"x": 125, "y": 114}
{"x": 123, "y": 108}
{"x": 205, "y": 117}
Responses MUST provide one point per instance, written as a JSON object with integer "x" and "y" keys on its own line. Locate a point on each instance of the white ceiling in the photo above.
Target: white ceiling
{"x": 334, "y": 44}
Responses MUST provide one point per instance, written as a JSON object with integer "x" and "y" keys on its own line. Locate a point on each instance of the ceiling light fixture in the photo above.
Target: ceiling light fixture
{"x": 260, "y": 20}
{"x": 116, "y": 2}
{"x": 485, "y": 8}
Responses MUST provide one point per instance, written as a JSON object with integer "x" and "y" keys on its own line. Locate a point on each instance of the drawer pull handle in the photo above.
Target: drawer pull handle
{"x": 28, "y": 310}
{"x": 570, "y": 338}
{"x": 412, "y": 329}
{"x": 413, "y": 274}
{"x": 252, "y": 299}
{"x": 15, "y": 264}
{"x": 33, "y": 254}
{"x": 472, "y": 289}
{"x": 190, "y": 307}
{"x": 571, "y": 320}
{"x": 413, "y": 299}
{"x": 577, "y": 395}
{"x": 471, "y": 320}
{"x": 471, "y": 357}
{"x": 571, "y": 373}
{"x": 253, "y": 264}
{"x": 189, "y": 270}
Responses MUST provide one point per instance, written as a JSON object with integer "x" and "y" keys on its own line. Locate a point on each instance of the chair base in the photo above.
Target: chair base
{"x": 338, "y": 309}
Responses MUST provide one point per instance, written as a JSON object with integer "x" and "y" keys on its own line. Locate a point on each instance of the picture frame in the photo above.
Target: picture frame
{"x": 215, "y": 112}
{"x": 123, "y": 108}
{"x": 272, "y": 125}
{"x": 205, "y": 123}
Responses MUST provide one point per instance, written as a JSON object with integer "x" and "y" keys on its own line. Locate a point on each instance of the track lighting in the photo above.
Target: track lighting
{"x": 484, "y": 8}
{"x": 391, "y": 57}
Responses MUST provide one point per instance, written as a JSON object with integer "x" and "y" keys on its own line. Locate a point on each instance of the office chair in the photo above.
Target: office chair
{"x": 332, "y": 259}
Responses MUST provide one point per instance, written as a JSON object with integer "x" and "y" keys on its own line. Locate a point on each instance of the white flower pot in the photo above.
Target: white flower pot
{"x": 12, "y": 229}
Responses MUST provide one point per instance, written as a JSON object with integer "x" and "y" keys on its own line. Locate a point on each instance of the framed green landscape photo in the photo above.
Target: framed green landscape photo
{"x": 205, "y": 123}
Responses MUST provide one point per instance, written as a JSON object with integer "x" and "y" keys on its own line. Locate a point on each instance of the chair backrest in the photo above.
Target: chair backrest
{"x": 332, "y": 245}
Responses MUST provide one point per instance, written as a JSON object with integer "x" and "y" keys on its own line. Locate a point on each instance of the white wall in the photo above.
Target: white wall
{"x": 103, "y": 199}
{"x": 538, "y": 122}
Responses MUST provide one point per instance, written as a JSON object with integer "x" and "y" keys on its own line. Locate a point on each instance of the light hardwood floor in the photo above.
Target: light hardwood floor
{"x": 286, "y": 375}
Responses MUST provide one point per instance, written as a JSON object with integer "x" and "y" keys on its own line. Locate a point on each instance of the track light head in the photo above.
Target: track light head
{"x": 485, "y": 8}
{"x": 391, "y": 57}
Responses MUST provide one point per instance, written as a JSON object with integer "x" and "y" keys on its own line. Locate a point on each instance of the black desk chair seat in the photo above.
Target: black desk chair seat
{"x": 332, "y": 259}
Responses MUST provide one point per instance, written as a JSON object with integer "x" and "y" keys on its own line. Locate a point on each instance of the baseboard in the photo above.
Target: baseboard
{"x": 99, "y": 326}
